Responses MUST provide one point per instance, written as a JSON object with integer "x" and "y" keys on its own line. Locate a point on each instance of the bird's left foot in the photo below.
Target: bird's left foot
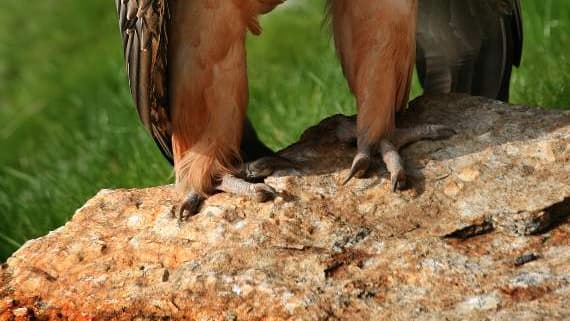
{"x": 247, "y": 182}
{"x": 388, "y": 149}
{"x": 230, "y": 184}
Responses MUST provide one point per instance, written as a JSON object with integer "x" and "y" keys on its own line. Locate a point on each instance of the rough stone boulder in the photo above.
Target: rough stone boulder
{"x": 481, "y": 233}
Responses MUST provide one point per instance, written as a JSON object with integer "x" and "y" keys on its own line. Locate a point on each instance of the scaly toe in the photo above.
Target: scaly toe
{"x": 191, "y": 206}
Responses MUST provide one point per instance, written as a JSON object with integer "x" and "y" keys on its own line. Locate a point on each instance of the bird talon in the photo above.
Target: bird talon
{"x": 397, "y": 183}
{"x": 360, "y": 165}
{"x": 394, "y": 183}
{"x": 191, "y": 206}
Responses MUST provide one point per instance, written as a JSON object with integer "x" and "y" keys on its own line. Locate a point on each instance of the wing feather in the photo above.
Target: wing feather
{"x": 469, "y": 46}
{"x": 517, "y": 31}
{"x": 144, "y": 25}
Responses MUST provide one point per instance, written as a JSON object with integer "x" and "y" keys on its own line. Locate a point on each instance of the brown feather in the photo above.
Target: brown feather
{"x": 376, "y": 45}
{"x": 143, "y": 25}
{"x": 208, "y": 86}
{"x": 187, "y": 72}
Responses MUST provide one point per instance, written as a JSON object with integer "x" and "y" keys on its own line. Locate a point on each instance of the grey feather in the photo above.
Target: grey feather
{"x": 468, "y": 46}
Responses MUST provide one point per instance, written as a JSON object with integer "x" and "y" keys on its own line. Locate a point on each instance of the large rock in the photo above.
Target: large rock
{"x": 481, "y": 233}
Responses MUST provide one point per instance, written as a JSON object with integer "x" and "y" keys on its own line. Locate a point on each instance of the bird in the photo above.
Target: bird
{"x": 186, "y": 65}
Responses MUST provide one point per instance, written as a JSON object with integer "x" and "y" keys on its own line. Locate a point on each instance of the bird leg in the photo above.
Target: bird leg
{"x": 209, "y": 97}
{"x": 376, "y": 45}
{"x": 388, "y": 150}
{"x": 247, "y": 181}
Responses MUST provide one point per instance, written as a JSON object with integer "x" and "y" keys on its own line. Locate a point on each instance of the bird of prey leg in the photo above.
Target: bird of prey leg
{"x": 465, "y": 46}
{"x": 186, "y": 62}
{"x": 376, "y": 45}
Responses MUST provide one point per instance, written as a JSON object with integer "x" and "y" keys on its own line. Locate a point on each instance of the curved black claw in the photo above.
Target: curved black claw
{"x": 398, "y": 181}
{"x": 360, "y": 165}
{"x": 394, "y": 165}
{"x": 191, "y": 206}
{"x": 265, "y": 166}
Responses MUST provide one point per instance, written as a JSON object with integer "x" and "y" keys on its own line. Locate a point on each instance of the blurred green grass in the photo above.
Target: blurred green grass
{"x": 68, "y": 127}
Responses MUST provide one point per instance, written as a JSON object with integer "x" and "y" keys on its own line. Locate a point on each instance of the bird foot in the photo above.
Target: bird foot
{"x": 245, "y": 183}
{"x": 388, "y": 150}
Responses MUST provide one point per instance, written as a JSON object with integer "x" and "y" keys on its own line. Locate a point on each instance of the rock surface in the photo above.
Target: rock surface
{"x": 482, "y": 233}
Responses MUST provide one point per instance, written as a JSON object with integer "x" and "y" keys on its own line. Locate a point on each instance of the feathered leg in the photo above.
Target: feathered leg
{"x": 209, "y": 95}
{"x": 376, "y": 44}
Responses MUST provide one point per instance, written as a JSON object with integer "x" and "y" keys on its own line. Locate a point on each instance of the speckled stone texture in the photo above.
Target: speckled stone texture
{"x": 481, "y": 234}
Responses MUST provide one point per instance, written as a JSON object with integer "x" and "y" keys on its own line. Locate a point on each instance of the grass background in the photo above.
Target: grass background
{"x": 68, "y": 127}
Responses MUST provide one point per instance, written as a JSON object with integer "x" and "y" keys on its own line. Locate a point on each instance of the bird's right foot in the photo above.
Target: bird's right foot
{"x": 389, "y": 151}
